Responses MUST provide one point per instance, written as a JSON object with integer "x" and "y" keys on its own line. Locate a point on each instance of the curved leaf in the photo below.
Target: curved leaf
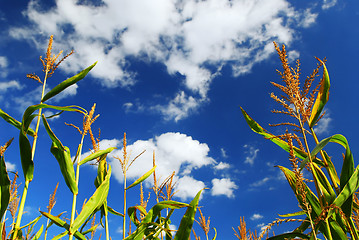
{"x": 322, "y": 97}
{"x": 96, "y": 155}
{"x": 67, "y": 83}
{"x": 142, "y": 178}
{"x": 14, "y": 122}
{"x": 258, "y": 129}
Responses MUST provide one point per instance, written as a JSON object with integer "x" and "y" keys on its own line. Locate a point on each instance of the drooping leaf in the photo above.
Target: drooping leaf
{"x": 4, "y": 188}
{"x": 14, "y": 122}
{"x": 27, "y": 163}
{"x": 67, "y": 83}
{"x": 184, "y": 230}
{"x": 142, "y": 178}
{"x": 215, "y": 234}
{"x": 63, "y": 157}
{"x": 95, "y": 202}
{"x": 258, "y": 129}
{"x": 322, "y": 97}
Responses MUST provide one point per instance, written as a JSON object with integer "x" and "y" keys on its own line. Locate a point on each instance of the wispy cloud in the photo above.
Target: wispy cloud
{"x": 222, "y": 166}
{"x": 260, "y": 182}
{"x": 328, "y": 4}
{"x": 10, "y": 166}
{"x": 4, "y": 86}
{"x": 251, "y": 153}
{"x": 190, "y": 38}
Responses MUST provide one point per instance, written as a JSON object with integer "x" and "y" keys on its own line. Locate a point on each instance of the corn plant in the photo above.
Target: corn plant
{"x": 328, "y": 206}
{"x": 150, "y": 225}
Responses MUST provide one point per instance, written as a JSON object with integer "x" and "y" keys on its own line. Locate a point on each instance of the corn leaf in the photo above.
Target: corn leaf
{"x": 33, "y": 222}
{"x": 60, "y": 236}
{"x": 95, "y": 202}
{"x": 63, "y": 157}
{"x": 67, "y": 83}
{"x": 4, "y": 188}
{"x": 14, "y": 122}
{"x": 215, "y": 234}
{"x": 114, "y": 212}
{"x": 300, "y": 213}
{"x": 324, "y": 185}
{"x": 322, "y": 97}
{"x": 38, "y": 234}
{"x": 258, "y": 129}
{"x": 27, "y": 163}
{"x": 143, "y": 178}
{"x": 61, "y": 223}
{"x": 96, "y": 155}
{"x": 184, "y": 230}
{"x": 347, "y": 169}
{"x": 292, "y": 235}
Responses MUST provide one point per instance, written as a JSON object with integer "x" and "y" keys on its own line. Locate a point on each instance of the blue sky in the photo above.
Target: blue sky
{"x": 172, "y": 75}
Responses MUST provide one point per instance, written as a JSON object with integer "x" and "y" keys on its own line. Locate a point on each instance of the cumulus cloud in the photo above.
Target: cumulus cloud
{"x": 222, "y": 166}
{"x": 224, "y": 186}
{"x": 251, "y": 154}
{"x": 191, "y": 38}
{"x": 10, "y": 166}
{"x": 173, "y": 152}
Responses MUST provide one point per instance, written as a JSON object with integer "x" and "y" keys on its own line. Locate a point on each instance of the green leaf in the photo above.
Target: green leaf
{"x": 63, "y": 157}
{"x": 324, "y": 184}
{"x": 184, "y": 230}
{"x": 143, "y": 178}
{"x": 67, "y": 83}
{"x": 300, "y": 213}
{"x": 61, "y": 223}
{"x": 4, "y": 188}
{"x": 286, "y": 236}
{"x": 114, "y": 212}
{"x": 347, "y": 169}
{"x": 258, "y": 129}
{"x": 96, "y": 155}
{"x": 27, "y": 163}
{"x": 38, "y": 234}
{"x": 95, "y": 202}
{"x": 14, "y": 122}
{"x": 322, "y": 97}
{"x": 215, "y": 234}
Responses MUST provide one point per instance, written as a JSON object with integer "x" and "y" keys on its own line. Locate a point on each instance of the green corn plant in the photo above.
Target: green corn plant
{"x": 328, "y": 207}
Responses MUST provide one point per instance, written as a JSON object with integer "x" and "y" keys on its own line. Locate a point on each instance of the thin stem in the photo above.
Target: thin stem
{"x": 21, "y": 210}
{"x": 106, "y": 225}
{"x": 74, "y": 199}
{"x": 124, "y": 206}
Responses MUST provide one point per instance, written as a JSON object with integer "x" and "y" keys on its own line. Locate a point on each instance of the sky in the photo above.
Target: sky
{"x": 172, "y": 75}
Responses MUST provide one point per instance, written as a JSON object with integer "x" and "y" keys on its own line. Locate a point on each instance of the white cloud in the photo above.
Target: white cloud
{"x": 256, "y": 216}
{"x": 187, "y": 187}
{"x": 323, "y": 125}
{"x": 251, "y": 154}
{"x": 4, "y": 86}
{"x": 328, "y": 4}
{"x": 173, "y": 152}
{"x": 224, "y": 153}
{"x": 10, "y": 166}
{"x": 260, "y": 182}
{"x": 188, "y": 37}
{"x": 224, "y": 186}
{"x": 221, "y": 166}
{"x": 68, "y": 92}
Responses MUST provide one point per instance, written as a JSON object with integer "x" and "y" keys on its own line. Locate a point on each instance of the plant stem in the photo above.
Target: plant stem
{"x": 124, "y": 206}
{"x": 21, "y": 210}
{"x": 74, "y": 199}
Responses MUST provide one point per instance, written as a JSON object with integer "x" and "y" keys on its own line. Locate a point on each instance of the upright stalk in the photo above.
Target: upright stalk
{"x": 74, "y": 199}
{"x": 27, "y": 182}
{"x": 124, "y": 206}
